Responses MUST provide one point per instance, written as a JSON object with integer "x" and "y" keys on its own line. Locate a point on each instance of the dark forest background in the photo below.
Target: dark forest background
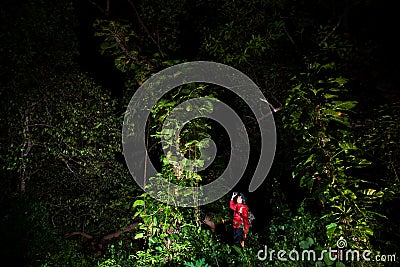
{"x": 69, "y": 69}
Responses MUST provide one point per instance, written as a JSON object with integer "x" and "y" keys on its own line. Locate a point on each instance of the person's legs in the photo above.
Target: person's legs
{"x": 237, "y": 236}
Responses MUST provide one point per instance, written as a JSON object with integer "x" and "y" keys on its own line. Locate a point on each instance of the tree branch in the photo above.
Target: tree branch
{"x": 67, "y": 235}
{"x": 24, "y": 153}
{"x": 207, "y": 220}
{"x": 289, "y": 36}
{"x": 106, "y": 237}
{"x": 145, "y": 28}
{"x": 104, "y": 12}
{"x": 331, "y": 32}
{"x": 269, "y": 104}
{"x": 107, "y": 11}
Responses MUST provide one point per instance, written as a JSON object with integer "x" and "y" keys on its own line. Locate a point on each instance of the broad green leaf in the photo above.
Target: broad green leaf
{"x": 340, "y": 80}
{"x": 139, "y": 202}
{"x": 330, "y": 229}
{"x": 330, "y": 96}
{"x": 307, "y": 181}
{"x": 138, "y": 236}
{"x": 344, "y": 105}
{"x": 349, "y": 193}
{"x": 306, "y": 244}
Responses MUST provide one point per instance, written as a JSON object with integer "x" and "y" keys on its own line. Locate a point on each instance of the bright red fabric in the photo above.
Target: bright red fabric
{"x": 240, "y": 216}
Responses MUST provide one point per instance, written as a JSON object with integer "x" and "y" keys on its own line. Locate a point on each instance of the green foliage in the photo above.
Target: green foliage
{"x": 197, "y": 263}
{"x": 379, "y": 140}
{"x": 327, "y": 155}
{"x": 287, "y": 230}
{"x": 61, "y": 162}
{"x": 172, "y": 234}
{"x": 69, "y": 145}
{"x": 61, "y": 140}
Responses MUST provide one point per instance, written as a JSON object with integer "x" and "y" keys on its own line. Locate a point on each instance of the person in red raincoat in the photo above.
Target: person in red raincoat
{"x": 241, "y": 224}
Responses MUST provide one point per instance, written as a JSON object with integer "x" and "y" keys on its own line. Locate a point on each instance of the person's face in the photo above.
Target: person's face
{"x": 239, "y": 199}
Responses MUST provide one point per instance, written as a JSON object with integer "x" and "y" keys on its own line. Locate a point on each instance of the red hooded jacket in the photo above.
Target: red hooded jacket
{"x": 240, "y": 216}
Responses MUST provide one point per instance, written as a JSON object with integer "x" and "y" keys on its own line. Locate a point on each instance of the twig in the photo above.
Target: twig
{"x": 289, "y": 36}
{"x": 122, "y": 46}
{"x": 24, "y": 153}
{"x": 98, "y": 7}
{"x": 331, "y": 32}
{"x": 69, "y": 167}
{"x": 145, "y": 28}
{"x": 107, "y": 13}
{"x": 394, "y": 170}
{"x": 273, "y": 108}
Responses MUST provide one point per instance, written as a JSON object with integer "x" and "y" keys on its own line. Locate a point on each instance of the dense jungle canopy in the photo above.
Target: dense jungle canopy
{"x": 327, "y": 69}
